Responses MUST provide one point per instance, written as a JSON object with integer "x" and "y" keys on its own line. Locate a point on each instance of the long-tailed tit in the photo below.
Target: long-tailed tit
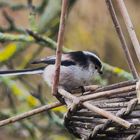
{"x": 77, "y": 69}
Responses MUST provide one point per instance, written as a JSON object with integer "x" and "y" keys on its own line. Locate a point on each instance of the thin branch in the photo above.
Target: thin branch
{"x": 129, "y": 26}
{"x": 101, "y": 94}
{"x": 29, "y": 113}
{"x": 122, "y": 39}
{"x": 110, "y": 87}
{"x": 11, "y": 24}
{"x": 26, "y": 38}
{"x": 12, "y": 6}
{"x": 59, "y": 46}
{"x": 45, "y": 40}
{"x": 108, "y": 93}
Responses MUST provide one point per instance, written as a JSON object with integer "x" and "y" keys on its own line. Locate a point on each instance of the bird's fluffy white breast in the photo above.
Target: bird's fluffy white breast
{"x": 70, "y": 77}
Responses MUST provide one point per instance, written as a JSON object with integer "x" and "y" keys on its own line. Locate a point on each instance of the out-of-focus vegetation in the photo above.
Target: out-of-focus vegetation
{"x": 89, "y": 27}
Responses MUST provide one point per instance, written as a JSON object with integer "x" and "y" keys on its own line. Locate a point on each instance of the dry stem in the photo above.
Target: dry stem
{"x": 129, "y": 26}
{"x": 108, "y": 93}
{"x": 122, "y": 39}
{"x": 29, "y": 113}
{"x": 59, "y": 46}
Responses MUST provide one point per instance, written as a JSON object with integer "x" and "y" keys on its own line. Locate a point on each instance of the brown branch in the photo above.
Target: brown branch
{"x": 122, "y": 39}
{"x": 129, "y": 26}
{"x": 95, "y": 109}
{"x": 29, "y": 113}
{"x": 108, "y": 93}
{"x": 101, "y": 94}
{"x": 109, "y": 87}
{"x": 111, "y": 90}
{"x": 59, "y": 46}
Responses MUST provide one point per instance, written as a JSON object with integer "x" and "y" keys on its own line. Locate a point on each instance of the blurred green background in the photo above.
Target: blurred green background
{"x": 88, "y": 27}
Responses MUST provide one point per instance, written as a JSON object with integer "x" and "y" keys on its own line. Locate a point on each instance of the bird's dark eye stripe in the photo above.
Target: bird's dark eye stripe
{"x": 67, "y": 63}
{"x": 96, "y": 62}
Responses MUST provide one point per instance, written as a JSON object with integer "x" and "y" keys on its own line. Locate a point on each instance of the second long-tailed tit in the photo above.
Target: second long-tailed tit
{"x": 78, "y": 68}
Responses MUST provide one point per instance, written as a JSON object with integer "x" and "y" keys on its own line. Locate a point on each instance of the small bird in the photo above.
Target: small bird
{"x": 77, "y": 69}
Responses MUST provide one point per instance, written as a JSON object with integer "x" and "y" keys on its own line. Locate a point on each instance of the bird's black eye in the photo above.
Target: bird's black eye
{"x": 96, "y": 67}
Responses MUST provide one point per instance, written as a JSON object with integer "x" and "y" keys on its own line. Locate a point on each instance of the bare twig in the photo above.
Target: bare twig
{"x": 39, "y": 38}
{"x": 117, "y": 85}
{"x": 101, "y": 94}
{"x": 108, "y": 93}
{"x": 15, "y": 7}
{"x": 122, "y": 39}
{"x": 129, "y": 26}
{"x": 59, "y": 46}
{"x": 12, "y": 6}
{"x": 110, "y": 87}
{"x": 47, "y": 41}
{"x": 11, "y": 24}
{"x": 29, "y": 113}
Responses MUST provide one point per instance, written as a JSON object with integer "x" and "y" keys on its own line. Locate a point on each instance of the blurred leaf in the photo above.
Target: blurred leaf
{"x": 32, "y": 100}
{"x": 7, "y": 52}
{"x": 62, "y": 109}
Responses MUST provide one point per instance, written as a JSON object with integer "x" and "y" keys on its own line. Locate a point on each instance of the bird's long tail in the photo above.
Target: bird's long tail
{"x": 22, "y": 72}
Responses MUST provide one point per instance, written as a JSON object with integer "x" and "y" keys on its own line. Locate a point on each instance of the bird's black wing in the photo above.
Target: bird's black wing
{"x": 51, "y": 60}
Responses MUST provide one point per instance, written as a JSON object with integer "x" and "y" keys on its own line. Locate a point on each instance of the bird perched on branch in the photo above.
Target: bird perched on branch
{"x": 78, "y": 68}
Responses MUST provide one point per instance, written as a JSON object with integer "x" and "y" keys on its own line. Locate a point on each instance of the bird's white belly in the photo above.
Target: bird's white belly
{"x": 70, "y": 77}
